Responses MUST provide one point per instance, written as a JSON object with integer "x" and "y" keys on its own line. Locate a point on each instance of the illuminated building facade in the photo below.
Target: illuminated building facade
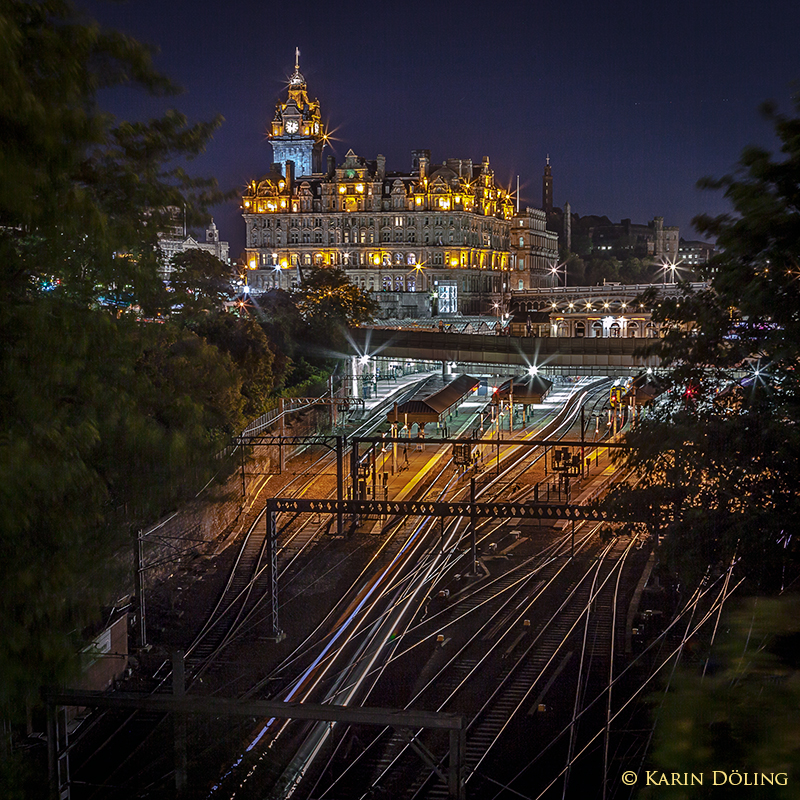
{"x": 176, "y": 240}
{"x": 441, "y": 239}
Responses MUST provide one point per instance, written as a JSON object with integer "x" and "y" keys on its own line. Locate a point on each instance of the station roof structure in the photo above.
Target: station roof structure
{"x": 487, "y": 325}
{"x": 528, "y": 389}
{"x": 645, "y": 389}
{"x": 434, "y": 400}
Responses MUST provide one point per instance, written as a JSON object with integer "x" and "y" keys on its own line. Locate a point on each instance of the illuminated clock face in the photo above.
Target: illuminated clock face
{"x": 291, "y": 126}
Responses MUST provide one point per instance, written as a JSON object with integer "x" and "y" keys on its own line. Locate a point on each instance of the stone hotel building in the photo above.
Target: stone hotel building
{"x": 439, "y": 240}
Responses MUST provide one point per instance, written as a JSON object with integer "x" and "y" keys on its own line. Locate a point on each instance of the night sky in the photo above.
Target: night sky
{"x": 632, "y": 101}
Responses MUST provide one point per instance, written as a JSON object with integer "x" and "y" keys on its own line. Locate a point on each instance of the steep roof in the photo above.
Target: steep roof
{"x": 527, "y": 389}
{"x": 434, "y": 399}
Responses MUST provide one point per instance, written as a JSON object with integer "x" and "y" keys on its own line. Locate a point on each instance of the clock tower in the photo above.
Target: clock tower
{"x": 297, "y": 132}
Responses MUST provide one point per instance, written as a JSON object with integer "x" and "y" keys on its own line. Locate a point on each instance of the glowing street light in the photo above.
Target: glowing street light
{"x": 671, "y": 266}
{"x": 555, "y": 270}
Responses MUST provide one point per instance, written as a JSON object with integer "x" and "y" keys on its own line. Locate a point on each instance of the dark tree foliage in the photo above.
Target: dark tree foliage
{"x": 106, "y": 420}
{"x": 200, "y": 283}
{"x": 329, "y": 303}
{"x": 83, "y": 196}
{"x": 327, "y": 298}
{"x": 734, "y": 708}
{"x": 718, "y": 454}
{"x": 307, "y": 328}
{"x": 244, "y": 340}
{"x": 285, "y": 328}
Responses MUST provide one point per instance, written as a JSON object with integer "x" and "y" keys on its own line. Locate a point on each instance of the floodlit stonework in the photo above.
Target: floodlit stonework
{"x": 438, "y": 240}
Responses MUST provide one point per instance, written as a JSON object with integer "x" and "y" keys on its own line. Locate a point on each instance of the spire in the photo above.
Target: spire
{"x": 297, "y": 81}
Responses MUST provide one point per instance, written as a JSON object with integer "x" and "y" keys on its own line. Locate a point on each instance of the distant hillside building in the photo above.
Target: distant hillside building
{"x": 653, "y": 239}
{"x": 438, "y": 240}
{"x": 176, "y": 241}
{"x": 694, "y": 252}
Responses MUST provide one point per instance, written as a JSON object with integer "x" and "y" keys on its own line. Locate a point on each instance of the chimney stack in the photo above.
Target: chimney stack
{"x": 289, "y": 175}
{"x": 416, "y": 159}
{"x": 424, "y": 161}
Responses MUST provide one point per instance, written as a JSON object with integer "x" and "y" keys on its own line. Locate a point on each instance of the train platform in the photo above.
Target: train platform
{"x": 400, "y": 472}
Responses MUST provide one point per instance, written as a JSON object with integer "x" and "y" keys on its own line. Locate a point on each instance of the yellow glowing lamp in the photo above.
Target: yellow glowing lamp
{"x": 342, "y": 189}
{"x": 282, "y": 184}
{"x": 418, "y": 201}
{"x": 284, "y": 263}
{"x": 253, "y": 263}
{"x": 360, "y": 188}
{"x": 376, "y": 260}
{"x": 247, "y": 204}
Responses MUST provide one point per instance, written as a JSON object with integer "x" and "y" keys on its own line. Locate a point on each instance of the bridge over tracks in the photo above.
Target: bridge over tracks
{"x": 568, "y": 356}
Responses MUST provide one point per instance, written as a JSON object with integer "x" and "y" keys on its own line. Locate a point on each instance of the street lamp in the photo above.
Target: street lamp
{"x": 670, "y": 265}
{"x": 555, "y": 270}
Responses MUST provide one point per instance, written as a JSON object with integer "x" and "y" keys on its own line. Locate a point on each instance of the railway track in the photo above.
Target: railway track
{"x": 239, "y": 605}
{"x": 475, "y": 601}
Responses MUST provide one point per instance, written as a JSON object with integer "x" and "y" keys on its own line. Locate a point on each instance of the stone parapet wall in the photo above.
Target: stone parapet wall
{"x": 209, "y": 523}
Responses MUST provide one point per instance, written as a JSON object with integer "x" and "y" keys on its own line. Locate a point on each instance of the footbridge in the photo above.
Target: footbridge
{"x": 559, "y": 355}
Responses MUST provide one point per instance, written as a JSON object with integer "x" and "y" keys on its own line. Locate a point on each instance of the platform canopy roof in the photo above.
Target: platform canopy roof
{"x": 645, "y": 389}
{"x": 528, "y": 389}
{"x": 435, "y": 399}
